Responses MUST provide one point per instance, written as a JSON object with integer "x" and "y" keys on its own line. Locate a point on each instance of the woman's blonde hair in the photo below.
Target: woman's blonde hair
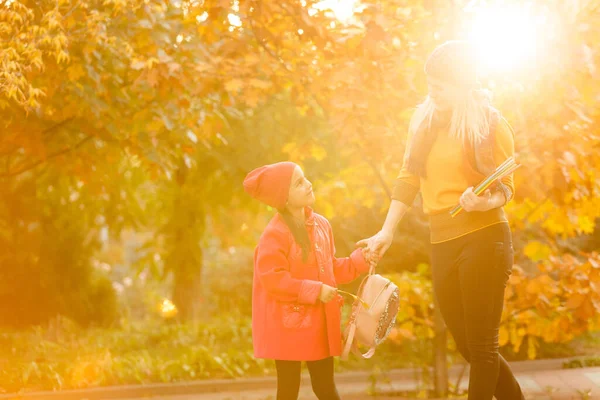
{"x": 470, "y": 116}
{"x": 455, "y": 64}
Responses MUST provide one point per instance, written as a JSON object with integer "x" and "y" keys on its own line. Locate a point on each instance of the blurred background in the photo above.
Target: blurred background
{"x": 126, "y": 239}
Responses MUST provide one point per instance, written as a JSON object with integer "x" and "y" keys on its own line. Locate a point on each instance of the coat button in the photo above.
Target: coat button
{"x": 322, "y": 269}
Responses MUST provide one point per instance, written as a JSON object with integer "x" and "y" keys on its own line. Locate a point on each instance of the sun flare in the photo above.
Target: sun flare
{"x": 506, "y": 37}
{"x": 342, "y": 9}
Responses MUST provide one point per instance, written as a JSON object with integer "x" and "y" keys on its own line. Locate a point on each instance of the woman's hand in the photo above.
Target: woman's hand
{"x": 375, "y": 246}
{"x": 469, "y": 201}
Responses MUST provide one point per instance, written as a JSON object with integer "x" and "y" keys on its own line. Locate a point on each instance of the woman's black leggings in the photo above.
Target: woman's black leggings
{"x": 469, "y": 277}
{"x": 321, "y": 378}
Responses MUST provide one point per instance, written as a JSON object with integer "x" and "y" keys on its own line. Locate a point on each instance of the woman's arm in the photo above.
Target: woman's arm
{"x": 406, "y": 187}
{"x": 504, "y": 147}
{"x": 379, "y": 243}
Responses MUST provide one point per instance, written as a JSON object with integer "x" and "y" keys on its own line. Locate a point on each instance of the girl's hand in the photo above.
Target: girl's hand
{"x": 370, "y": 257}
{"x": 375, "y": 246}
{"x": 327, "y": 294}
{"x": 469, "y": 201}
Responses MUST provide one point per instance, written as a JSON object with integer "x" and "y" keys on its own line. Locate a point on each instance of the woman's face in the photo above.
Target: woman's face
{"x": 301, "y": 192}
{"x": 444, "y": 95}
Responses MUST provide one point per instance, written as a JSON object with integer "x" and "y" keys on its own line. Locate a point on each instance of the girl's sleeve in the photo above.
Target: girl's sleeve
{"x": 273, "y": 270}
{"x": 346, "y": 269}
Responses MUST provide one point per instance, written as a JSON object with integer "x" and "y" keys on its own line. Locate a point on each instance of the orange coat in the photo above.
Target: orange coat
{"x": 289, "y": 322}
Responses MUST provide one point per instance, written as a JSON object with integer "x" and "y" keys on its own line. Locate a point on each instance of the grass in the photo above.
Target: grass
{"x": 66, "y": 356}
{"x": 145, "y": 352}
{"x": 139, "y": 353}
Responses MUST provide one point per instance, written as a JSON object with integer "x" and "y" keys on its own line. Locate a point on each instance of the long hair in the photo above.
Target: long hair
{"x": 469, "y": 122}
{"x": 298, "y": 231}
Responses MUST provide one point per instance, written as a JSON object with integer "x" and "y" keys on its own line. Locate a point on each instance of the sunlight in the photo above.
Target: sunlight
{"x": 234, "y": 20}
{"x": 506, "y": 37}
{"x": 342, "y": 9}
{"x": 167, "y": 308}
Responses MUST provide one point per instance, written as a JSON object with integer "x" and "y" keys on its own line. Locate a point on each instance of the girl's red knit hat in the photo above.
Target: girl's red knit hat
{"x": 270, "y": 184}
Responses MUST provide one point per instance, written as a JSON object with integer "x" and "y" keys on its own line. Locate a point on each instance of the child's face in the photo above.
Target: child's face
{"x": 301, "y": 193}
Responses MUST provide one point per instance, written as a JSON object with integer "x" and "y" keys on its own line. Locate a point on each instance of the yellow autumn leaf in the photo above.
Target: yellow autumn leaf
{"x": 318, "y": 153}
{"x": 534, "y": 329}
{"x": 289, "y": 148}
{"x": 575, "y": 301}
{"x": 531, "y": 347}
{"x": 517, "y": 343}
{"x": 234, "y": 85}
{"x": 407, "y": 327}
{"x": 260, "y": 84}
{"x": 252, "y": 100}
{"x": 62, "y": 56}
{"x": 537, "y": 251}
{"x": 137, "y": 64}
{"x": 534, "y": 287}
{"x": 303, "y": 109}
{"x": 251, "y": 59}
{"x": 503, "y": 336}
{"x": 75, "y": 72}
{"x": 586, "y": 225}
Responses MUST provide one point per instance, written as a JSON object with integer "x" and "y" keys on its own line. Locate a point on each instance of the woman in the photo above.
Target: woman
{"x": 472, "y": 253}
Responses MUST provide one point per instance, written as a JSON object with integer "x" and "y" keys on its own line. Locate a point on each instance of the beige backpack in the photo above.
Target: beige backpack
{"x": 373, "y": 315}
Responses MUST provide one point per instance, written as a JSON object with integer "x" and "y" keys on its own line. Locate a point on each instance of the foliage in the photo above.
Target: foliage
{"x": 556, "y": 305}
{"x": 64, "y": 356}
{"x": 145, "y": 115}
{"x": 582, "y": 363}
{"x": 46, "y": 266}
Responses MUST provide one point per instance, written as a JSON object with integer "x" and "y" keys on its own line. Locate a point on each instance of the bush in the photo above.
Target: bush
{"x": 63, "y": 355}
{"x": 45, "y": 267}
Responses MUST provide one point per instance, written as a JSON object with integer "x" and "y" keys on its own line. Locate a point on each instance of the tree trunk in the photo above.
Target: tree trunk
{"x": 186, "y": 289}
{"x": 186, "y": 227}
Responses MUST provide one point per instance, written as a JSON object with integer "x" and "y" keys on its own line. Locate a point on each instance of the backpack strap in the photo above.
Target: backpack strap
{"x": 351, "y": 330}
{"x": 349, "y": 344}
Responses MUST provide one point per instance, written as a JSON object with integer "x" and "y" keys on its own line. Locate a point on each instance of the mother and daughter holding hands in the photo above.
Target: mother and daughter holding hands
{"x": 455, "y": 139}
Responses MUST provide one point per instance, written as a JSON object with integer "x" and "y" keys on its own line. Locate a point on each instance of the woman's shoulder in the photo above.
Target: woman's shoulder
{"x": 503, "y": 127}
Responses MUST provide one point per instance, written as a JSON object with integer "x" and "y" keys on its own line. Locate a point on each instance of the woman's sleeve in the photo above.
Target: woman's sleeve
{"x": 503, "y": 149}
{"x": 407, "y": 184}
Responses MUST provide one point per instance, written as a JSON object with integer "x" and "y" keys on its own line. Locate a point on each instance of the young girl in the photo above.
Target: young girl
{"x": 296, "y": 310}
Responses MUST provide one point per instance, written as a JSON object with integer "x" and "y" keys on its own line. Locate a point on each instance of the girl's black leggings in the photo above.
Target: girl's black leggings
{"x": 321, "y": 377}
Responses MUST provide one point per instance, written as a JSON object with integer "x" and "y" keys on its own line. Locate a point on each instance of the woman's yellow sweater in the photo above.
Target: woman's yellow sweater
{"x": 449, "y": 174}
